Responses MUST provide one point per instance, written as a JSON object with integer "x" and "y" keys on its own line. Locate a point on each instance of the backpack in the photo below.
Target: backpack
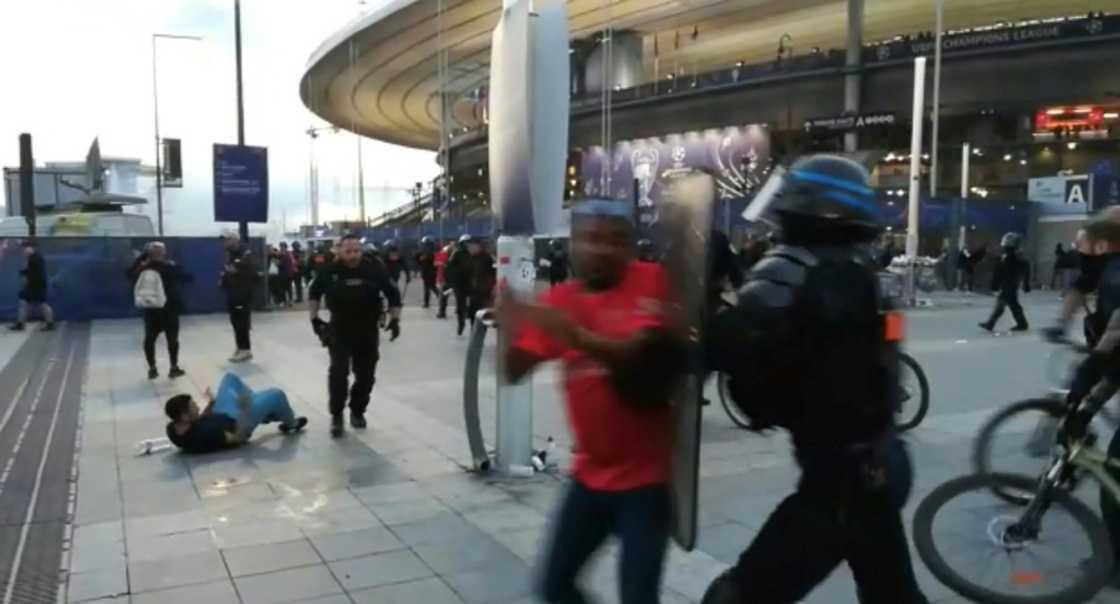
{"x": 148, "y": 293}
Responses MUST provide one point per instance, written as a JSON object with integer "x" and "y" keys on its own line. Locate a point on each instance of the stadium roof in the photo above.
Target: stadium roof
{"x": 379, "y": 75}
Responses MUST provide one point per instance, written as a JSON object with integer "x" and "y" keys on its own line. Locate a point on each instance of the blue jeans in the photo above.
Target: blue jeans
{"x": 266, "y": 406}
{"x": 639, "y": 517}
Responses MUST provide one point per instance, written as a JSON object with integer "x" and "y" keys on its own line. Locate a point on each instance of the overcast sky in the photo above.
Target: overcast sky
{"x": 76, "y": 69}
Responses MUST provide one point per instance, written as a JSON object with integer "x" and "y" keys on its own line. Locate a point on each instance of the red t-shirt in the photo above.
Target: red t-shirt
{"x": 440, "y": 262}
{"x": 619, "y": 446}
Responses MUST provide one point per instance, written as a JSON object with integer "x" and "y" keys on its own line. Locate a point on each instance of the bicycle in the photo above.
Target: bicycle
{"x": 1033, "y": 424}
{"x": 913, "y": 396}
{"x": 1017, "y": 537}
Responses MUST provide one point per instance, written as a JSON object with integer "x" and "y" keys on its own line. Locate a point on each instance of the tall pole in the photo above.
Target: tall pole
{"x": 935, "y": 140}
{"x": 242, "y": 227}
{"x": 361, "y": 184}
{"x": 159, "y": 169}
{"x": 913, "y": 210}
{"x": 853, "y": 60}
{"x": 966, "y": 156}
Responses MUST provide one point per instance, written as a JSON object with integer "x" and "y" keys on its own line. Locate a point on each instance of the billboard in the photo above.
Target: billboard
{"x": 738, "y": 157}
{"x": 240, "y": 183}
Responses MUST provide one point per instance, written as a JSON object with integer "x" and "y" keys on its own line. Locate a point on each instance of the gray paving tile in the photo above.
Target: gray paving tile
{"x": 230, "y": 536}
{"x": 726, "y": 541}
{"x": 258, "y": 559}
{"x": 88, "y": 554}
{"x": 389, "y": 493}
{"x": 218, "y": 592}
{"x": 379, "y": 569}
{"x": 97, "y": 584}
{"x": 506, "y": 516}
{"x": 337, "y": 521}
{"x": 464, "y": 555}
{"x": 290, "y": 585}
{"x": 492, "y": 584}
{"x": 428, "y": 591}
{"x": 393, "y": 513}
{"x": 175, "y": 571}
{"x": 335, "y": 599}
{"x": 155, "y": 548}
{"x": 445, "y": 528}
{"x": 356, "y": 543}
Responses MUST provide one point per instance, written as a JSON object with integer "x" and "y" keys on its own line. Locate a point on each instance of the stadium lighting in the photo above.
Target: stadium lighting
{"x": 1071, "y": 145}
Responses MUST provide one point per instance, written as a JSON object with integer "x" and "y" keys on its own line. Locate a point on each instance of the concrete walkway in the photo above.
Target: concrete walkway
{"x": 385, "y": 515}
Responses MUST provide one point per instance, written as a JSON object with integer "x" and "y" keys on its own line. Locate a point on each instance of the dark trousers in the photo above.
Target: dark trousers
{"x": 241, "y": 319}
{"x": 296, "y": 284}
{"x": 639, "y": 518}
{"x": 444, "y": 294}
{"x": 556, "y": 279}
{"x": 1005, "y": 301}
{"x": 476, "y": 302}
{"x": 810, "y": 534}
{"x": 359, "y": 356}
{"x": 461, "y": 308}
{"x": 165, "y": 321}
{"x": 429, "y": 289}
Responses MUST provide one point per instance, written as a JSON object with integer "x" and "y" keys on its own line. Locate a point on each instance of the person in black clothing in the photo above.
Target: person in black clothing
{"x": 394, "y": 264}
{"x": 34, "y": 291}
{"x": 161, "y": 320}
{"x": 299, "y": 265}
{"x": 723, "y": 269}
{"x": 353, "y": 288}
{"x": 1057, "y": 276}
{"x": 457, "y": 275}
{"x": 647, "y": 252}
{"x": 482, "y": 276}
{"x": 559, "y": 268}
{"x": 1011, "y": 273}
{"x": 239, "y": 279}
{"x": 426, "y": 261}
{"x": 804, "y": 350}
{"x": 284, "y": 261}
{"x": 1101, "y": 369}
{"x": 1077, "y": 298}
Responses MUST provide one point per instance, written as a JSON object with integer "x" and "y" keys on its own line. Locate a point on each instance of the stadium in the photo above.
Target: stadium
{"x": 739, "y": 86}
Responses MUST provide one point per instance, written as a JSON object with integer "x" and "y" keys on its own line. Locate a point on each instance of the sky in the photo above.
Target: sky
{"x": 86, "y": 67}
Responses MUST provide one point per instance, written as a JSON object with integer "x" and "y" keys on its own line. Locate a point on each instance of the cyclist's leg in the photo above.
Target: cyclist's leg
{"x": 1110, "y": 509}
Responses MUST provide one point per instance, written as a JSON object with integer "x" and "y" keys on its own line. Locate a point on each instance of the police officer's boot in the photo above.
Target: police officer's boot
{"x": 722, "y": 591}
{"x": 337, "y": 427}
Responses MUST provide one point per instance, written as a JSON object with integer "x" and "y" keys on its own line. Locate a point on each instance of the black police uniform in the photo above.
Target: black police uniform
{"x": 482, "y": 276}
{"x": 458, "y": 277}
{"x": 811, "y": 309}
{"x": 1011, "y": 273}
{"x": 558, "y": 269}
{"x": 354, "y": 300}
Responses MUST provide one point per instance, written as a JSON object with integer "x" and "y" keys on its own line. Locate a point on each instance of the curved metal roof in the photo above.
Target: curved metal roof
{"x": 378, "y": 76}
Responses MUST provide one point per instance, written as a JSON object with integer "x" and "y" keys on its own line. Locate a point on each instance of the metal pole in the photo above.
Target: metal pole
{"x": 159, "y": 169}
{"x": 242, "y": 227}
{"x": 917, "y": 116}
{"x": 852, "y": 63}
{"x": 935, "y": 140}
{"x": 966, "y": 156}
{"x": 361, "y": 184}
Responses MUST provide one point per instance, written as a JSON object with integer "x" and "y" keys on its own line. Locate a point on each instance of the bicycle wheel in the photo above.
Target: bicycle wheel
{"x": 729, "y": 405}
{"x": 914, "y": 403}
{"x": 961, "y": 534}
{"x": 1018, "y": 439}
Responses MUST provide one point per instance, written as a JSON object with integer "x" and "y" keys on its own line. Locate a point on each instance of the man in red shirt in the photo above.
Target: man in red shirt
{"x": 441, "y": 281}
{"x": 621, "y": 357}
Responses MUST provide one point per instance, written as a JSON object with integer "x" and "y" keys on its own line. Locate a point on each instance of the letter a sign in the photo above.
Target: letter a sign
{"x": 1077, "y": 191}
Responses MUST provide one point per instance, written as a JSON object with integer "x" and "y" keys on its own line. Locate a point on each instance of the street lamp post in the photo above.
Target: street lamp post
{"x": 155, "y": 105}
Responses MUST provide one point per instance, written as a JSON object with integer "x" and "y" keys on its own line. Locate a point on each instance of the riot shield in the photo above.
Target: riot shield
{"x": 681, "y": 231}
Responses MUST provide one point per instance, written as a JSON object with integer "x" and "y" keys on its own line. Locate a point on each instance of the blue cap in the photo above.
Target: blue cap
{"x": 603, "y": 208}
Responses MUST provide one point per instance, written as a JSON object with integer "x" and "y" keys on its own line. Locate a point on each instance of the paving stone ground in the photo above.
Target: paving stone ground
{"x": 391, "y": 514}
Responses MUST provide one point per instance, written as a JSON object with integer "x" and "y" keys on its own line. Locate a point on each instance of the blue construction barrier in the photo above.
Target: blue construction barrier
{"x": 86, "y": 275}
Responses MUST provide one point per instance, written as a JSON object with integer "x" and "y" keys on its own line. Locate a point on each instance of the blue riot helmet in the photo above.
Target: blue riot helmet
{"x": 824, "y": 197}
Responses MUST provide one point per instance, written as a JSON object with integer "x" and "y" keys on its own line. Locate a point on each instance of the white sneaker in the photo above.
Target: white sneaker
{"x": 241, "y": 356}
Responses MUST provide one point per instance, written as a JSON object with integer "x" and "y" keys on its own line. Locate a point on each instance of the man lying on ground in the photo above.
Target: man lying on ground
{"x": 229, "y": 418}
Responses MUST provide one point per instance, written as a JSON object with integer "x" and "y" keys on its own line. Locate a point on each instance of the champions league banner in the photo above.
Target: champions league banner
{"x": 737, "y": 157}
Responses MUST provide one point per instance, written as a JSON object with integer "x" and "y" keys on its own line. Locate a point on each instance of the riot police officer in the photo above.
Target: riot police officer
{"x": 805, "y": 351}
{"x": 1011, "y": 273}
{"x": 558, "y": 265}
{"x": 646, "y": 251}
{"x": 353, "y": 288}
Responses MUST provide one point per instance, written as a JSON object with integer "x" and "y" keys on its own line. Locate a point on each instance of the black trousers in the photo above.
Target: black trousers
{"x": 165, "y": 321}
{"x": 640, "y": 518}
{"x": 297, "y": 285}
{"x": 357, "y": 355}
{"x": 476, "y": 301}
{"x": 429, "y": 289}
{"x": 462, "y": 310}
{"x": 810, "y": 534}
{"x": 1005, "y": 301}
{"x": 241, "y": 318}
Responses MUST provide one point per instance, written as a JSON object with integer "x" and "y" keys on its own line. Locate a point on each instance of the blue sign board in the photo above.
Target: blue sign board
{"x": 240, "y": 183}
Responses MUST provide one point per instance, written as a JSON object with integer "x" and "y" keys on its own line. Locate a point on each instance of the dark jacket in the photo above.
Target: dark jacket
{"x": 1011, "y": 273}
{"x": 353, "y": 295}
{"x": 457, "y": 273}
{"x": 483, "y": 276}
{"x": 240, "y": 277}
{"x": 34, "y": 276}
{"x": 170, "y": 273}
